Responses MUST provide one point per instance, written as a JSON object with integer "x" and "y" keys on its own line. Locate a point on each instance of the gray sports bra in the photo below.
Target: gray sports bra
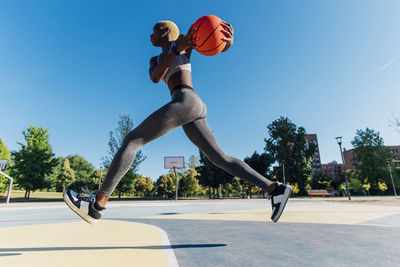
{"x": 181, "y": 62}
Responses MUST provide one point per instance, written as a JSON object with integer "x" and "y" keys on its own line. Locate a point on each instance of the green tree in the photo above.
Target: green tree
{"x": 65, "y": 177}
{"x": 286, "y": 145}
{"x": 4, "y": 154}
{"x": 55, "y": 172}
{"x": 144, "y": 186}
{"x": 34, "y": 161}
{"x": 382, "y": 186}
{"x": 321, "y": 180}
{"x": 125, "y": 126}
{"x": 188, "y": 184}
{"x": 83, "y": 171}
{"x": 94, "y": 179}
{"x": 366, "y": 187}
{"x": 193, "y": 162}
{"x": 355, "y": 181}
{"x": 166, "y": 185}
{"x": 233, "y": 188}
{"x": 212, "y": 176}
{"x": 371, "y": 157}
{"x": 261, "y": 163}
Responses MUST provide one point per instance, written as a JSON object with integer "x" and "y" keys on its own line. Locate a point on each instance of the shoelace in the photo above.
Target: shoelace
{"x": 86, "y": 195}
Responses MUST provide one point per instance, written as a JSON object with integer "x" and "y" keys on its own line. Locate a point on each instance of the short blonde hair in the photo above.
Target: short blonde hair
{"x": 173, "y": 29}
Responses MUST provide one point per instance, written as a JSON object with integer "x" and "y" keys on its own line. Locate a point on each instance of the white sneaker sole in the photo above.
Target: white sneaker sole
{"x": 286, "y": 194}
{"x": 78, "y": 211}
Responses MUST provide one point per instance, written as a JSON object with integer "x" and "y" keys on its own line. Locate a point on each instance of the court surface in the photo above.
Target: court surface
{"x": 315, "y": 232}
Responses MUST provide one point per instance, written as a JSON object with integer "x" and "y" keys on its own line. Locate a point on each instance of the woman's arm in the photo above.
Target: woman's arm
{"x": 228, "y": 31}
{"x": 158, "y": 70}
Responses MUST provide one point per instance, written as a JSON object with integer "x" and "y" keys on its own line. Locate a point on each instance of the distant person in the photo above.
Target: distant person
{"x": 186, "y": 109}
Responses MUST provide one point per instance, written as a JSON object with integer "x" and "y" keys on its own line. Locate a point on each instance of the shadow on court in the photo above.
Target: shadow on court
{"x": 41, "y": 249}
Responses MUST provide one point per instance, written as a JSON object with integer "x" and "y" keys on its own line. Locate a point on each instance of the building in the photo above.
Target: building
{"x": 316, "y": 159}
{"x": 333, "y": 169}
{"x": 349, "y": 155}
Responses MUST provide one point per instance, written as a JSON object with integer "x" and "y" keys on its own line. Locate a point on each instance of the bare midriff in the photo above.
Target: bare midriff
{"x": 183, "y": 77}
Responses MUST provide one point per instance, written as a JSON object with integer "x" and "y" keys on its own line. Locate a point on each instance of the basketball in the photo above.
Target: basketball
{"x": 210, "y": 37}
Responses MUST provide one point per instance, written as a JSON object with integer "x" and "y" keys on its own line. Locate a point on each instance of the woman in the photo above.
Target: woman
{"x": 186, "y": 109}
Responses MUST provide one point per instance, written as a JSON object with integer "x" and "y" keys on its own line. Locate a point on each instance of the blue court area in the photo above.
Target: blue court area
{"x": 204, "y": 233}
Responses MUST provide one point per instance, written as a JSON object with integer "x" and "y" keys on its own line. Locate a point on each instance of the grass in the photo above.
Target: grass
{"x": 18, "y": 196}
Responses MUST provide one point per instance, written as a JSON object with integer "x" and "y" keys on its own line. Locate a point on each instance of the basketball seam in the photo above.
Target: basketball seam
{"x": 199, "y": 27}
{"x": 210, "y": 34}
{"x": 211, "y": 49}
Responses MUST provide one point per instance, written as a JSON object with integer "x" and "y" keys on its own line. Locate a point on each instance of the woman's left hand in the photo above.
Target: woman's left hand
{"x": 186, "y": 41}
{"x": 228, "y": 32}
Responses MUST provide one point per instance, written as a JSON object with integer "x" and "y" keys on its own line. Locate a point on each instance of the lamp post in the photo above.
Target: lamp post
{"x": 100, "y": 178}
{"x": 284, "y": 177}
{"x": 391, "y": 176}
{"x": 339, "y": 140}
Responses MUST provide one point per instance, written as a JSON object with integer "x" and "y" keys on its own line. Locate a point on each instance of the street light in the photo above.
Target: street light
{"x": 391, "y": 176}
{"x": 339, "y": 140}
{"x": 100, "y": 178}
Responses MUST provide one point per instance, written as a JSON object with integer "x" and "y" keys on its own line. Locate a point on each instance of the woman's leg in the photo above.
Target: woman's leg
{"x": 201, "y": 135}
{"x": 184, "y": 108}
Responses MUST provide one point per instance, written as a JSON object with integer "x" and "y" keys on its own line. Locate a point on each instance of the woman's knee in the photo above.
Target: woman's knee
{"x": 132, "y": 141}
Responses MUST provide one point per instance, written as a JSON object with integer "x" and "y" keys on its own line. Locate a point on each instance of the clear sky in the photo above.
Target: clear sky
{"x": 73, "y": 66}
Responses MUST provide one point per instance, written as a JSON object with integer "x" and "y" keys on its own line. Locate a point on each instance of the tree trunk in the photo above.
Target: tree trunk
{"x": 209, "y": 192}
{"x": 26, "y": 194}
{"x": 119, "y": 194}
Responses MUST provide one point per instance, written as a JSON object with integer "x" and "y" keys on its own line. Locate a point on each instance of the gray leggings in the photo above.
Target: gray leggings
{"x": 186, "y": 109}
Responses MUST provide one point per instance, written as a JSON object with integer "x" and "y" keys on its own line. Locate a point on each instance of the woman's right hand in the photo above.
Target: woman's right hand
{"x": 186, "y": 41}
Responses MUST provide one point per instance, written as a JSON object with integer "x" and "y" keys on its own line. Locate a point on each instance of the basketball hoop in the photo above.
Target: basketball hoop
{"x": 174, "y": 163}
{"x": 3, "y": 167}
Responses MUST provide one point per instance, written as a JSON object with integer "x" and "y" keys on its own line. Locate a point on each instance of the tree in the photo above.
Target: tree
{"x": 193, "y": 162}
{"x": 232, "y": 188}
{"x": 261, "y": 163}
{"x": 166, "y": 185}
{"x": 371, "y": 157}
{"x": 320, "y": 180}
{"x": 211, "y": 175}
{"x": 355, "y": 181}
{"x": 287, "y": 145}
{"x": 65, "y": 177}
{"x": 83, "y": 171}
{"x": 94, "y": 179}
{"x": 4, "y": 154}
{"x": 34, "y": 161}
{"x": 144, "y": 185}
{"x": 188, "y": 184}
{"x": 125, "y": 125}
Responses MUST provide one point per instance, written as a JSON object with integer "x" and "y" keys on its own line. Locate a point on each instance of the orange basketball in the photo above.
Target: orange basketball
{"x": 210, "y": 37}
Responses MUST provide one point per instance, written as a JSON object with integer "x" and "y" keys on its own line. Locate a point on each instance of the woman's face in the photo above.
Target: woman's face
{"x": 156, "y": 36}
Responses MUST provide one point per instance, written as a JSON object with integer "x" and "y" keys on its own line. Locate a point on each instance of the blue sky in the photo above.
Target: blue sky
{"x": 73, "y": 66}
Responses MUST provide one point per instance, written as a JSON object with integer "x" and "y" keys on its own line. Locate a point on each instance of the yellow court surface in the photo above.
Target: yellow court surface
{"x": 82, "y": 244}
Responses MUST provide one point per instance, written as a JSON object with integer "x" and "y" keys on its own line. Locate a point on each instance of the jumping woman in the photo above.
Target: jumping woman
{"x": 186, "y": 109}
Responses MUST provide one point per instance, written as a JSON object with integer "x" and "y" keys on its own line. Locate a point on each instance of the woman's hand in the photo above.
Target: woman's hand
{"x": 186, "y": 41}
{"x": 228, "y": 31}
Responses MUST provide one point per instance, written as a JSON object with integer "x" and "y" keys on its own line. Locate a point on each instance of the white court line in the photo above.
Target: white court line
{"x": 169, "y": 251}
{"x": 63, "y": 205}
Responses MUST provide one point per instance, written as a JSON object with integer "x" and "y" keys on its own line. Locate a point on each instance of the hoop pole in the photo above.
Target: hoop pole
{"x": 9, "y": 187}
{"x": 176, "y": 183}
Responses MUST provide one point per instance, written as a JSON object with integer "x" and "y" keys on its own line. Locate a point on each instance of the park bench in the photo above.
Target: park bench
{"x": 318, "y": 193}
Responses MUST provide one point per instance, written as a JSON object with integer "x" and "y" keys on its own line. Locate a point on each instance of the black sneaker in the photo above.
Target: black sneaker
{"x": 279, "y": 197}
{"x": 83, "y": 205}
